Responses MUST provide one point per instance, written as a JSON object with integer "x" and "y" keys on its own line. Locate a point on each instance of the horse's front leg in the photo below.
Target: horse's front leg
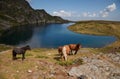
{"x": 23, "y": 56}
{"x": 70, "y": 52}
{"x": 76, "y": 52}
{"x": 14, "y": 56}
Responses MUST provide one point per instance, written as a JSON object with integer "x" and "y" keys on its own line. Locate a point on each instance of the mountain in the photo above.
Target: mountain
{"x": 19, "y": 12}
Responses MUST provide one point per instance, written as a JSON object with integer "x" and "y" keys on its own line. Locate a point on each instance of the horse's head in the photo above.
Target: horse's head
{"x": 27, "y": 47}
{"x": 79, "y": 46}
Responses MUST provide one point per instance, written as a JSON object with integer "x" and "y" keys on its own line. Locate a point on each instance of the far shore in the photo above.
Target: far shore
{"x": 107, "y": 28}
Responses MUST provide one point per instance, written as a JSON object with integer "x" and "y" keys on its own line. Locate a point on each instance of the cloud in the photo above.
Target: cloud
{"x": 88, "y": 14}
{"x": 103, "y": 13}
{"x": 85, "y": 14}
{"x": 107, "y": 10}
{"x": 111, "y": 7}
{"x": 62, "y": 13}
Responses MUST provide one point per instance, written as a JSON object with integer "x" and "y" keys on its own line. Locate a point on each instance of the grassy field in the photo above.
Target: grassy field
{"x": 97, "y": 28}
{"x": 41, "y": 62}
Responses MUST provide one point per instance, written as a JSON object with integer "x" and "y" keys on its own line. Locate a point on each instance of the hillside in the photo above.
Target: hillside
{"x": 97, "y": 28}
{"x": 46, "y": 64}
{"x": 19, "y": 12}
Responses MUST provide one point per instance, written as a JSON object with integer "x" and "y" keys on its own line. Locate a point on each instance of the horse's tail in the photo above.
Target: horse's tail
{"x": 64, "y": 53}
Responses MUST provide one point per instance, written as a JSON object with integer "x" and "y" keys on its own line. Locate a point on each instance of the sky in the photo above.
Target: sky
{"x": 77, "y": 10}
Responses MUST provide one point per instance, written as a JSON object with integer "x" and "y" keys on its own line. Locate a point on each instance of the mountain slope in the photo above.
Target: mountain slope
{"x": 19, "y": 12}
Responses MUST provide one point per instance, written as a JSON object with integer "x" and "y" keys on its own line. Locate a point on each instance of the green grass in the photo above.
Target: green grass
{"x": 97, "y": 28}
{"x": 65, "y": 63}
{"x": 70, "y": 62}
{"x": 4, "y": 47}
{"x": 41, "y": 56}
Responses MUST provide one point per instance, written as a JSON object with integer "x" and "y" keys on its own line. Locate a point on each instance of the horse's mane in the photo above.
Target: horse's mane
{"x": 78, "y": 45}
{"x": 25, "y": 47}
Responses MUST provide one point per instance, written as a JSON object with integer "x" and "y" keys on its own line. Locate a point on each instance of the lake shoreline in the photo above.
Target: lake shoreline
{"x": 113, "y": 25}
{"x": 109, "y": 45}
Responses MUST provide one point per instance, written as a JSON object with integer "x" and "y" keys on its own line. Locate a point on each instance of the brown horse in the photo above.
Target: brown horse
{"x": 64, "y": 51}
{"x": 74, "y": 47}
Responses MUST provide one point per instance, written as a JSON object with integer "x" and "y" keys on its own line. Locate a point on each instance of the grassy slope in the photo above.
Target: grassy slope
{"x": 39, "y": 61}
{"x": 99, "y": 28}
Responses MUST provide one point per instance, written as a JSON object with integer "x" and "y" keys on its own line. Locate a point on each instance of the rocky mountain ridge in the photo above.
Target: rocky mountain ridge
{"x": 19, "y": 12}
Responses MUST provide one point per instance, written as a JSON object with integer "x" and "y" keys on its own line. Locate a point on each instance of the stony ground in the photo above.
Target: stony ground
{"x": 46, "y": 64}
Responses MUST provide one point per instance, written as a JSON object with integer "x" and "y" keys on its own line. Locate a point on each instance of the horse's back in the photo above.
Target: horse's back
{"x": 17, "y": 50}
{"x": 72, "y": 46}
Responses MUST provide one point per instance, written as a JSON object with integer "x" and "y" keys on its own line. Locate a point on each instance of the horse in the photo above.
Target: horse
{"x": 65, "y": 52}
{"x": 21, "y": 50}
{"x": 74, "y": 47}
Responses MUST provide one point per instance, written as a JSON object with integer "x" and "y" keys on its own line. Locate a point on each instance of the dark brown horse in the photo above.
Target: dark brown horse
{"x": 21, "y": 50}
{"x": 74, "y": 47}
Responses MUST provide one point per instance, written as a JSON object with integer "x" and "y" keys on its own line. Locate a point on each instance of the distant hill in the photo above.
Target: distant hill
{"x": 19, "y": 12}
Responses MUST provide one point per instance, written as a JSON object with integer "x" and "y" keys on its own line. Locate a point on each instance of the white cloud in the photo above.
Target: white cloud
{"x": 103, "y": 13}
{"x": 85, "y": 14}
{"x": 111, "y": 7}
{"x": 88, "y": 14}
{"x": 107, "y": 10}
{"x": 62, "y": 13}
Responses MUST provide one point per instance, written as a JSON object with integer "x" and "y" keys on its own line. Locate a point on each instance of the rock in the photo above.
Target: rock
{"x": 117, "y": 59}
{"x": 114, "y": 57}
{"x": 82, "y": 77}
{"x": 29, "y": 71}
{"x": 17, "y": 71}
{"x": 95, "y": 68}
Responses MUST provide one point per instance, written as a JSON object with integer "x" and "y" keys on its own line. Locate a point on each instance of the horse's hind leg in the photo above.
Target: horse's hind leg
{"x": 65, "y": 58}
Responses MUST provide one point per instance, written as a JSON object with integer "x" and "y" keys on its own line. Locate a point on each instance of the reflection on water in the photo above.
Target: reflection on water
{"x": 15, "y": 36}
{"x": 51, "y": 36}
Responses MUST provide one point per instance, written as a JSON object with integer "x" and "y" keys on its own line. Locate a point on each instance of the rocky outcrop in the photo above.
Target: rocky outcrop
{"x": 19, "y": 12}
{"x": 98, "y": 67}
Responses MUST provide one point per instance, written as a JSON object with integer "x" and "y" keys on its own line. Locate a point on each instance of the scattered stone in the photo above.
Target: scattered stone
{"x": 29, "y": 71}
{"x": 95, "y": 68}
{"x": 82, "y": 77}
{"x": 17, "y": 71}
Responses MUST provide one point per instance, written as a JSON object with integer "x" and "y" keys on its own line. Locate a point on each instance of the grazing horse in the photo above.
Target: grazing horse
{"x": 21, "y": 50}
{"x": 74, "y": 47}
{"x": 65, "y": 52}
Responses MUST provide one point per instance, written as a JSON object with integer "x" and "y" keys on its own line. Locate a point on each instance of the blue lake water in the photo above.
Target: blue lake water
{"x": 51, "y": 36}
